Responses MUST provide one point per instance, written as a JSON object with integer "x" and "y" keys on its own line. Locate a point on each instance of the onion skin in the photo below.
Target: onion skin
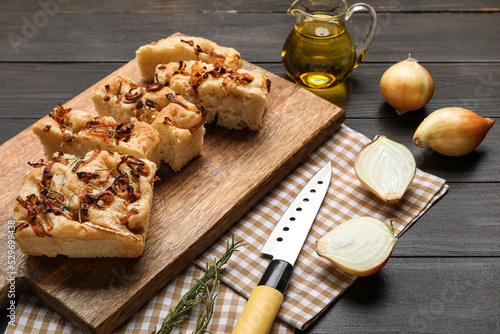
{"x": 407, "y": 86}
{"x": 452, "y": 131}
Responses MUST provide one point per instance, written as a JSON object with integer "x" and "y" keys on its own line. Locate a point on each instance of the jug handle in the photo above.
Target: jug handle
{"x": 363, "y": 47}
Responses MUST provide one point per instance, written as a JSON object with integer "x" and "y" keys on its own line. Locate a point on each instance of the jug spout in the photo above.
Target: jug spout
{"x": 329, "y": 8}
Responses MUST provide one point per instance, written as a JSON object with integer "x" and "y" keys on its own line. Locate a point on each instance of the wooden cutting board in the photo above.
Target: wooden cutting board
{"x": 191, "y": 208}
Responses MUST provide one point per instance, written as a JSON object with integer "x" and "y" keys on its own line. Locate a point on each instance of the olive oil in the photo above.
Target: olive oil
{"x": 319, "y": 53}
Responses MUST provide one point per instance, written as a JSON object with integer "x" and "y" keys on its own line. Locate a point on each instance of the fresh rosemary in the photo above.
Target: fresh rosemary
{"x": 62, "y": 182}
{"x": 74, "y": 160}
{"x": 80, "y": 212}
{"x": 100, "y": 189}
{"x": 153, "y": 102}
{"x": 200, "y": 292}
{"x": 111, "y": 131}
{"x": 207, "y": 312}
{"x": 119, "y": 88}
{"x": 70, "y": 199}
{"x": 109, "y": 170}
{"x": 54, "y": 191}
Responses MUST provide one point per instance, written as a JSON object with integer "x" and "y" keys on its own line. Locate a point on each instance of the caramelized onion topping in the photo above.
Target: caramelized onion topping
{"x": 21, "y": 225}
{"x": 137, "y": 166}
{"x": 39, "y": 163}
{"x": 191, "y": 43}
{"x": 173, "y": 99}
{"x": 216, "y": 55}
{"x": 37, "y": 209}
{"x": 153, "y": 104}
{"x": 109, "y": 130}
{"x": 139, "y": 105}
{"x": 154, "y": 87}
{"x": 60, "y": 115}
{"x": 133, "y": 95}
{"x": 124, "y": 131}
{"x": 132, "y": 211}
{"x": 51, "y": 200}
{"x": 84, "y": 162}
{"x": 203, "y": 119}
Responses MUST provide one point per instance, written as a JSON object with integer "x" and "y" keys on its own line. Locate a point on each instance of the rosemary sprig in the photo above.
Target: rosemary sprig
{"x": 100, "y": 189}
{"x": 206, "y": 314}
{"x": 109, "y": 131}
{"x": 153, "y": 102}
{"x": 74, "y": 160}
{"x": 198, "y": 293}
{"x": 70, "y": 199}
{"x": 54, "y": 191}
{"x": 109, "y": 170}
{"x": 80, "y": 212}
{"x": 119, "y": 88}
{"x": 62, "y": 182}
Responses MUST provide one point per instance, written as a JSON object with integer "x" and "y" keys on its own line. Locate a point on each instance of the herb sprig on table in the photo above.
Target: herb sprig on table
{"x": 200, "y": 292}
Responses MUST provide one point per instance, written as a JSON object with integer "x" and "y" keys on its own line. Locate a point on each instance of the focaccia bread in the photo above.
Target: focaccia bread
{"x": 234, "y": 99}
{"x": 179, "y": 47}
{"x": 181, "y": 135}
{"x": 124, "y": 100}
{"x": 78, "y": 132}
{"x": 95, "y": 206}
{"x": 181, "y": 127}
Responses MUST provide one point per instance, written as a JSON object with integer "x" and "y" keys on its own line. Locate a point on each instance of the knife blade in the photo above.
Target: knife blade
{"x": 284, "y": 245}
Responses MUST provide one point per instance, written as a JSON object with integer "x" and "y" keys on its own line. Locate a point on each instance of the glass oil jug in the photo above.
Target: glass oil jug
{"x": 319, "y": 52}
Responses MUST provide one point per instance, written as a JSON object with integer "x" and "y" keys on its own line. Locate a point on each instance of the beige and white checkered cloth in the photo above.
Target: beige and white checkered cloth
{"x": 315, "y": 283}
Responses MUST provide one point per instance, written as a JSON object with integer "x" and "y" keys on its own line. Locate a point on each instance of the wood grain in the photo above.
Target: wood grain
{"x": 445, "y": 277}
{"x": 442, "y": 37}
{"x": 196, "y": 6}
{"x": 419, "y": 295}
{"x": 474, "y": 86}
{"x": 191, "y": 209}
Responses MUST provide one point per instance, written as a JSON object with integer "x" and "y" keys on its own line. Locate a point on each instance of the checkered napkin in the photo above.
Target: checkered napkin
{"x": 314, "y": 284}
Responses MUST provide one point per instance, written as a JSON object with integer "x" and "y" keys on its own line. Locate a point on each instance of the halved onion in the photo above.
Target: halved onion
{"x": 386, "y": 168}
{"x": 360, "y": 246}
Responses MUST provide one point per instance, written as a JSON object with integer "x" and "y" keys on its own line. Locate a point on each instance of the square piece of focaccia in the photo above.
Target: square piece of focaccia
{"x": 78, "y": 132}
{"x": 181, "y": 126}
{"x": 234, "y": 99}
{"x": 92, "y": 206}
{"x": 179, "y": 47}
{"x": 181, "y": 131}
{"x": 123, "y": 99}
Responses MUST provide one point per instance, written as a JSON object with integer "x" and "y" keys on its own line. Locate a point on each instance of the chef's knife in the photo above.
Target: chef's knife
{"x": 284, "y": 245}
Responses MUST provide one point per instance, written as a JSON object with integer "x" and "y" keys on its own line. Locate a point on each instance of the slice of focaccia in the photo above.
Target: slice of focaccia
{"x": 181, "y": 128}
{"x": 78, "y": 132}
{"x": 179, "y": 47}
{"x": 123, "y": 99}
{"x": 92, "y": 206}
{"x": 181, "y": 131}
{"x": 234, "y": 99}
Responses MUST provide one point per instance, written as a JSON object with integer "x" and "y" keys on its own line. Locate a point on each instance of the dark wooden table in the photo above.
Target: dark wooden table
{"x": 444, "y": 274}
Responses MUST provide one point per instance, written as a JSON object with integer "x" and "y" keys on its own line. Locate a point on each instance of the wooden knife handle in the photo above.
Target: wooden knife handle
{"x": 265, "y": 301}
{"x": 260, "y": 311}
